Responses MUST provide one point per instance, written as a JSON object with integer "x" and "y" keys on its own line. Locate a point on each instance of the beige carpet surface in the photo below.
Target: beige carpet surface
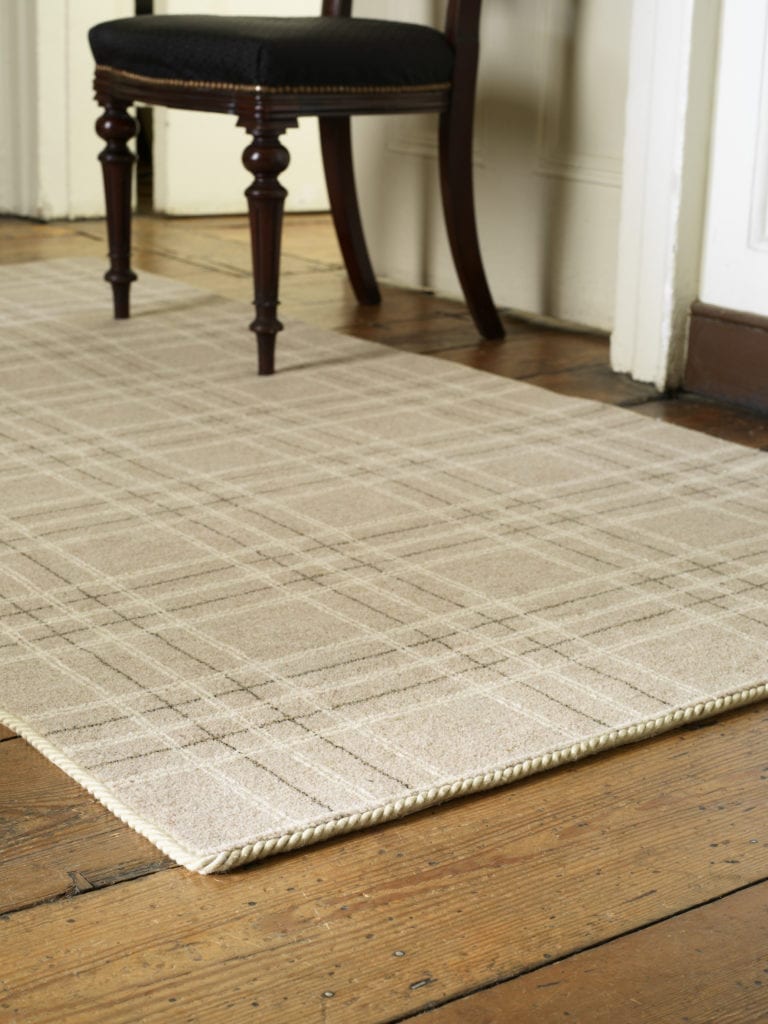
{"x": 249, "y": 614}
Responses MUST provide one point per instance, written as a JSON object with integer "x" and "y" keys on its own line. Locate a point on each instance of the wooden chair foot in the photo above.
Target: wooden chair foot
{"x": 266, "y": 349}
{"x": 121, "y": 289}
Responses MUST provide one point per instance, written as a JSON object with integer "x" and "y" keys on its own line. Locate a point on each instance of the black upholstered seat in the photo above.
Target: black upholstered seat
{"x": 269, "y": 72}
{"x": 275, "y": 52}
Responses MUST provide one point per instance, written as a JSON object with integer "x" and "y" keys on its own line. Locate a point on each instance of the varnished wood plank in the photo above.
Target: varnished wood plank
{"x": 707, "y": 966}
{"x": 177, "y": 248}
{"x": 13, "y": 229}
{"x": 530, "y": 353}
{"x": 214, "y": 254}
{"x": 596, "y": 382}
{"x": 57, "y": 840}
{"x": 311, "y": 236}
{"x": 423, "y": 334}
{"x": 6, "y": 734}
{"x": 309, "y": 243}
{"x": 402, "y": 321}
{"x": 49, "y": 247}
{"x": 563, "y": 361}
{"x": 730, "y": 422}
{"x": 387, "y": 922}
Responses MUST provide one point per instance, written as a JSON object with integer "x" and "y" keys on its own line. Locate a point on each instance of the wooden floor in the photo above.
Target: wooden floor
{"x": 629, "y": 888}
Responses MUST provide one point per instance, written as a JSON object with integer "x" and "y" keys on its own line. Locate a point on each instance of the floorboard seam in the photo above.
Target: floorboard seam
{"x": 423, "y": 1011}
{"x": 90, "y": 887}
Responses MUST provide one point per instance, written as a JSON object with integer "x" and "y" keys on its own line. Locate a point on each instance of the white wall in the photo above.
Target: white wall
{"x": 548, "y": 160}
{"x": 49, "y": 148}
{"x": 197, "y": 156}
{"x": 18, "y": 123}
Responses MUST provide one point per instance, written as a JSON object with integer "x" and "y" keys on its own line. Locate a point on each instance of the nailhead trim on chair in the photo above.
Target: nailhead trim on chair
{"x": 239, "y": 87}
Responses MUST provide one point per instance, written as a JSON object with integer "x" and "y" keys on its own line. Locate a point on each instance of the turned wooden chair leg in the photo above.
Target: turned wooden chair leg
{"x": 459, "y": 208}
{"x": 336, "y": 145}
{"x": 117, "y": 127}
{"x": 266, "y": 158}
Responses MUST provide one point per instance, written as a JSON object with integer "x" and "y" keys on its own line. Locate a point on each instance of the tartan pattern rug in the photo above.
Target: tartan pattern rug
{"x": 252, "y": 613}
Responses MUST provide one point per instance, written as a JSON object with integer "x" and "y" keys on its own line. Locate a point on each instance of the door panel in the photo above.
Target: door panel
{"x": 735, "y": 265}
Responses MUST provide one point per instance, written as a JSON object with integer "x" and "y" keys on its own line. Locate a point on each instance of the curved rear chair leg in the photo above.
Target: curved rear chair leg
{"x": 339, "y": 176}
{"x": 459, "y": 208}
{"x": 117, "y": 127}
{"x": 266, "y": 158}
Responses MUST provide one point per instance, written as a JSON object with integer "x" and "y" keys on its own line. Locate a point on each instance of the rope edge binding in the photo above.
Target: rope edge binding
{"x": 272, "y": 89}
{"x": 226, "y": 860}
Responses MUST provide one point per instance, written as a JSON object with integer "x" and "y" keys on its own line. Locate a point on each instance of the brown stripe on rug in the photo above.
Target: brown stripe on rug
{"x": 249, "y": 614}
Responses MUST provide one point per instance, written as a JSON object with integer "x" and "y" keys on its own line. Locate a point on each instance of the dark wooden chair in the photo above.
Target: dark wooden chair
{"x": 269, "y": 72}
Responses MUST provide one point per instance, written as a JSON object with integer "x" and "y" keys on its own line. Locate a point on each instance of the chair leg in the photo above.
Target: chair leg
{"x": 459, "y": 208}
{"x": 336, "y": 144}
{"x": 266, "y": 158}
{"x": 117, "y": 127}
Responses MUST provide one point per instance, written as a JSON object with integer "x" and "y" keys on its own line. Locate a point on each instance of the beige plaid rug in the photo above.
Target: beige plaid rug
{"x": 252, "y": 613}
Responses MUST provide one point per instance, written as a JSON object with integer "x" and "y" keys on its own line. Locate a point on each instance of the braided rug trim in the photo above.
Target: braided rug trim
{"x": 226, "y": 860}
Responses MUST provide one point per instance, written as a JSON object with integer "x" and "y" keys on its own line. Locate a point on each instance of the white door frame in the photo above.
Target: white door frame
{"x": 672, "y": 73}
